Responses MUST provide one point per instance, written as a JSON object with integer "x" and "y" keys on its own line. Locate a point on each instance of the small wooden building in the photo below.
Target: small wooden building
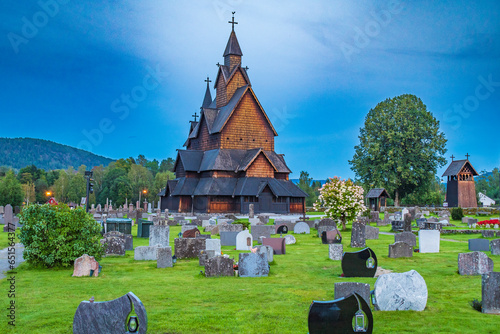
{"x": 229, "y": 161}
{"x": 377, "y": 198}
{"x": 460, "y": 187}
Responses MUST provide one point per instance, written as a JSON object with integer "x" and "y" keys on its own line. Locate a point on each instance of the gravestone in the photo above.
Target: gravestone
{"x": 261, "y": 231}
{"x": 183, "y": 222}
{"x": 488, "y": 234}
{"x": 159, "y": 235}
{"x": 301, "y": 228}
{"x": 331, "y": 237}
{"x": 197, "y": 222}
{"x": 213, "y": 245}
{"x": 253, "y": 265}
{"x": 495, "y": 247}
{"x": 482, "y": 245}
{"x": 219, "y": 266}
{"x": 144, "y": 253}
{"x": 204, "y": 256}
{"x": 400, "y": 249}
{"x": 2, "y": 209}
{"x": 421, "y": 222}
{"x": 322, "y": 229}
{"x": 358, "y": 235}
{"x": 230, "y": 228}
{"x": 110, "y": 317}
{"x": 344, "y": 289}
{"x": 371, "y": 233}
{"x": 475, "y": 263}
{"x": 362, "y": 263}
{"x": 268, "y": 250}
{"x": 400, "y": 292}
{"x": 278, "y": 245}
{"x": 335, "y": 251}
{"x": 432, "y": 220}
{"x": 281, "y": 229}
{"x": 193, "y": 233}
{"x": 327, "y": 222}
{"x": 84, "y": 265}
{"x": 244, "y": 240}
{"x": 115, "y": 245}
{"x": 8, "y": 218}
{"x": 428, "y": 241}
{"x": 254, "y": 221}
{"x": 164, "y": 257}
{"x": 127, "y": 238}
{"x": 186, "y": 248}
{"x": 408, "y": 237}
{"x": 214, "y": 230}
{"x": 228, "y": 238}
{"x": 407, "y": 223}
{"x": 290, "y": 239}
{"x": 264, "y": 219}
{"x": 490, "y": 292}
{"x": 250, "y": 210}
{"x": 374, "y": 216}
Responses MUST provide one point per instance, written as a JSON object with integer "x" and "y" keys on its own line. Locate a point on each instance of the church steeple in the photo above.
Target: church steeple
{"x": 232, "y": 53}
{"x": 208, "y": 97}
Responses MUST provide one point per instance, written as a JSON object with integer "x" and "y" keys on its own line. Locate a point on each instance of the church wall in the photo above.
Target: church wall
{"x": 236, "y": 82}
{"x": 221, "y": 95}
{"x": 467, "y": 194}
{"x": 247, "y": 128}
{"x": 179, "y": 170}
{"x": 204, "y": 141}
{"x": 260, "y": 168}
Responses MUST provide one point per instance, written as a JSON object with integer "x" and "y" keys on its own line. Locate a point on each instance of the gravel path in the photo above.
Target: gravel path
{"x": 4, "y": 261}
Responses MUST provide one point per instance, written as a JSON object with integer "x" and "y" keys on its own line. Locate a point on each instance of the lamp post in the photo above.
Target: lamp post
{"x": 143, "y": 191}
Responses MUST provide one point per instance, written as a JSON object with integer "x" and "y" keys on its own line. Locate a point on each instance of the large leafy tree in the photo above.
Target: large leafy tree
{"x": 400, "y": 146}
{"x": 11, "y": 191}
{"x": 488, "y": 184}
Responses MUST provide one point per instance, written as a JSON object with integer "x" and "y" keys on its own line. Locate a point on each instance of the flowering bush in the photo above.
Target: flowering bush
{"x": 489, "y": 222}
{"x": 341, "y": 199}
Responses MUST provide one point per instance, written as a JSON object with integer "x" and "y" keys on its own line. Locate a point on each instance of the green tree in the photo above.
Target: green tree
{"x": 140, "y": 178}
{"x": 167, "y": 165}
{"x": 111, "y": 174}
{"x": 309, "y": 187}
{"x": 161, "y": 179}
{"x": 141, "y": 160}
{"x": 11, "y": 191}
{"x": 41, "y": 187}
{"x": 488, "y": 184}
{"x": 121, "y": 190}
{"x": 400, "y": 146}
{"x": 29, "y": 192}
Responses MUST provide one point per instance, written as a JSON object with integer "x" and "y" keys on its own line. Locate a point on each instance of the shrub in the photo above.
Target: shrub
{"x": 457, "y": 213}
{"x": 56, "y": 235}
{"x": 246, "y": 224}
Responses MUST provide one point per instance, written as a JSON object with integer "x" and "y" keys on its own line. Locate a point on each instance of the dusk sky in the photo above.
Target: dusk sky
{"x": 122, "y": 78}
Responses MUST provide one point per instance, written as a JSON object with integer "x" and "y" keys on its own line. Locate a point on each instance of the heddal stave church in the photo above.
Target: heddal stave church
{"x": 229, "y": 161}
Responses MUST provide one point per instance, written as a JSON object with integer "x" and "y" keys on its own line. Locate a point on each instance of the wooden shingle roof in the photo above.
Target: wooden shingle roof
{"x": 457, "y": 166}
{"x": 232, "y": 46}
{"x": 377, "y": 192}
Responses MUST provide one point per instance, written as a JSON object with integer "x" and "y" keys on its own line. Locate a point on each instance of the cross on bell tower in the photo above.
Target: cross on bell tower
{"x": 452, "y": 157}
{"x": 467, "y": 156}
{"x": 195, "y": 116}
{"x": 232, "y": 22}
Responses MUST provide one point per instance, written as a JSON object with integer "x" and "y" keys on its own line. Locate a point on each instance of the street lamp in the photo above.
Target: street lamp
{"x": 144, "y": 191}
{"x": 48, "y": 193}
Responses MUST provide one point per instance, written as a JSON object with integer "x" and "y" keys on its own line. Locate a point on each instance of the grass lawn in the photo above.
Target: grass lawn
{"x": 180, "y": 300}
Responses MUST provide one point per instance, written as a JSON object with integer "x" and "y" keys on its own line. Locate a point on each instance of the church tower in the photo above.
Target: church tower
{"x": 460, "y": 187}
{"x": 229, "y": 161}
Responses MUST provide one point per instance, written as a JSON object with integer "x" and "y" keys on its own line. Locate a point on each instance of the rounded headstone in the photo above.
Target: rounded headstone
{"x": 401, "y": 292}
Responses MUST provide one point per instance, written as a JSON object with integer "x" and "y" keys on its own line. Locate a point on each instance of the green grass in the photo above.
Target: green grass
{"x": 180, "y": 300}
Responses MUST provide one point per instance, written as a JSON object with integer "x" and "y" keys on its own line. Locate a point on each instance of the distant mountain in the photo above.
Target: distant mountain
{"x": 296, "y": 181}
{"x": 21, "y": 152}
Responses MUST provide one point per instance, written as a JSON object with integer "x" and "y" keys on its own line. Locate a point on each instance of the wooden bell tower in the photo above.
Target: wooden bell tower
{"x": 461, "y": 188}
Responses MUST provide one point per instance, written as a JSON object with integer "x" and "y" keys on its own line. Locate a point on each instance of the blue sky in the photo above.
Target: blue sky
{"x": 122, "y": 78}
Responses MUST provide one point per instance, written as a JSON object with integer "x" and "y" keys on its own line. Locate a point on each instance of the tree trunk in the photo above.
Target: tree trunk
{"x": 396, "y": 199}
{"x": 343, "y": 223}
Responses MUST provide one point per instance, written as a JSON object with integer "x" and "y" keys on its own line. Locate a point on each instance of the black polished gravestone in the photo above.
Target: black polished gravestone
{"x": 359, "y": 264}
{"x": 351, "y": 314}
{"x": 282, "y": 229}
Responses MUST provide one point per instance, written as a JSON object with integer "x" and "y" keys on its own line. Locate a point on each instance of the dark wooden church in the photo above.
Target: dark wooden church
{"x": 460, "y": 187}
{"x": 229, "y": 161}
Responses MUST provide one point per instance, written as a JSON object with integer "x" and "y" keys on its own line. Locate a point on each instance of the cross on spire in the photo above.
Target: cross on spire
{"x": 452, "y": 157}
{"x": 467, "y": 155}
{"x": 208, "y": 80}
{"x": 232, "y": 22}
{"x": 195, "y": 116}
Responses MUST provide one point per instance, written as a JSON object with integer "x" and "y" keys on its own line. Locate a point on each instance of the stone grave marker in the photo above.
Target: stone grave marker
{"x": 344, "y": 289}
{"x": 371, "y": 233}
{"x": 264, "y": 219}
{"x": 408, "y": 237}
{"x": 301, "y": 228}
{"x": 362, "y": 263}
{"x": 397, "y": 225}
{"x": 84, "y": 265}
{"x": 421, "y": 222}
{"x": 228, "y": 238}
{"x": 8, "y": 217}
{"x": 281, "y": 229}
{"x": 213, "y": 245}
{"x": 335, "y": 251}
{"x": 253, "y": 265}
{"x": 254, "y": 221}
{"x": 159, "y": 235}
{"x": 331, "y": 237}
{"x": 111, "y": 317}
{"x": 115, "y": 245}
{"x": 186, "y": 248}
{"x": 144, "y": 253}
{"x": 490, "y": 291}
{"x": 127, "y": 238}
{"x": 230, "y": 228}
{"x": 1, "y": 209}
{"x": 164, "y": 257}
{"x": 495, "y": 247}
{"x": 327, "y": 228}
{"x": 268, "y": 250}
{"x": 400, "y": 249}
{"x": 428, "y": 241}
{"x": 482, "y": 245}
{"x": 204, "y": 256}
{"x": 488, "y": 234}
{"x": 327, "y": 222}
{"x": 290, "y": 239}
{"x": 261, "y": 231}
{"x": 475, "y": 263}
{"x": 244, "y": 240}
{"x": 219, "y": 266}
{"x": 278, "y": 245}
{"x": 251, "y": 210}
{"x": 401, "y": 292}
{"x": 358, "y": 235}
{"x": 193, "y": 233}
{"x": 407, "y": 223}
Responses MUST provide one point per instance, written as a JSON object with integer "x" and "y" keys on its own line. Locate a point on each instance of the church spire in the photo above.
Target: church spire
{"x": 208, "y": 97}
{"x": 232, "y": 53}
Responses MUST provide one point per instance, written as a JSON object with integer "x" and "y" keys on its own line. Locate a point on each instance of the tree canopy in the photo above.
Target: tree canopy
{"x": 400, "y": 146}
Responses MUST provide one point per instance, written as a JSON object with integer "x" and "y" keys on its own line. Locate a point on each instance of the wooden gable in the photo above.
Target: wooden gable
{"x": 204, "y": 140}
{"x": 260, "y": 167}
{"x": 248, "y": 126}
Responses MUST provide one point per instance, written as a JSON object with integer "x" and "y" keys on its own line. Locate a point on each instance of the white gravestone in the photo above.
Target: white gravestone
{"x": 244, "y": 240}
{"x": 428, "y": 241}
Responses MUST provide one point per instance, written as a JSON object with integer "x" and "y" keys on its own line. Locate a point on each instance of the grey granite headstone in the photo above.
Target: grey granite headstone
{"x": 475, "y": 263}
{"x": 371, "y": 232}
{"x": 128, "y": 239}
{"x": 408, "y": 237}
{"x": 401, "y": 292}
{"x": 400, "y": 249}
{"x": 290, "y": 239}
{"x": 186, "y": 248}
{"x": 109, "y": 317}
{"x": 326, "y": 228}
{"x": 344, "y": 289}
{"x": 228, "y": 238}
{"x": 164, "y": 257}
{"x": 301, "y": 228}
{"x": 219, "y": 266}
{"x": 8, "y": 216}
{"x": 142, "y": 253}
{"x": 204, "y": 256}
{"x": 213, "y": 245}
{"x": 261, "y": 231}
{"x": 327, "y": 222}
{"x": 230, "y": 228}
{"x": 495, "y": 247}
{"x": 358, "y": 235}
{"x": 488, "y": 234}
{"x": 482, "y": 245}
{"x": 407, "y": 223}
{"x": 490, "y": 291}
{"x": 253, "y": 265}
{"x": 115, "y": 245}
{"x": 268, "y": 250}
{"x": 335, "y": 251}
{"x": 159, "y": 235}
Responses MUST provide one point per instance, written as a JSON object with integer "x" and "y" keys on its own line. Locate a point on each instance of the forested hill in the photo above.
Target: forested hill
{"x": 21, "y": 152}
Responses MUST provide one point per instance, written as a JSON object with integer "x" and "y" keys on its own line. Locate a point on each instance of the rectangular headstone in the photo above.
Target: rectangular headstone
{"x": 344, "y": 289}
{"x": 371, "y": 233}
{"x": 482, "y": 245}
{"x": 145, "y": 253}
{"x": 278, "y": 245}
{"x": 159, "y": 235}
{"x": 495, "y": 247}
{"x": 428, "y": 241}
{"x": 164, "y": 257}
{"x": 261, "y": 231}
{"x": 213, "y": 245}
{"x": 228, "y": 238}
{"x": 186, "y": 248}
{"x": 490, "y": 291}
{"x": 358, "y": 235}
{"x": 253, "y": 265}
{"x": 400, "y": 249}
{"x": 474, "y": 263}
{"x": 408, "y": 237}
{"x": 219, "y": 266}
{"x": 335, "y": 251}
{"x": 230, "y": 228}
